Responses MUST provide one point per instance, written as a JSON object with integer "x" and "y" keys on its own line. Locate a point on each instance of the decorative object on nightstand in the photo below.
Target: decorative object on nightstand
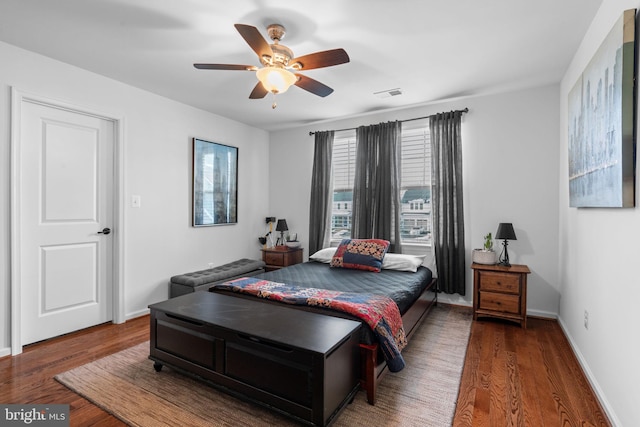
{"x": 501, "y": 292}
{"x": 485, "y": 255}
{"x": 281, "y": 256}
{"x": 281, "y": 227}
{"x": 270, "y": 220}
{"x": 505, "y": 232}
{"x": 292, "y": 240}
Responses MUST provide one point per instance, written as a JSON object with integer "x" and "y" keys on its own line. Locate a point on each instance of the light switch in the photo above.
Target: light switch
{"x": 135, "y": 201}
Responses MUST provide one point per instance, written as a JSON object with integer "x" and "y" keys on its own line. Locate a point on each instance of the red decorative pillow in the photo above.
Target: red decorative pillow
{"x": 360, "y": 254}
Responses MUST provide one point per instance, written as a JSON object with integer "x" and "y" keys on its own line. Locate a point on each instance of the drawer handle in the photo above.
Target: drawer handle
{"x": 182, "y": 319}
{"x": 257, "y": 340}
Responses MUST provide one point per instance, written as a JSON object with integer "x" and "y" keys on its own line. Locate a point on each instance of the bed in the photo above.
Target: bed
{"x": 414, "y": 292}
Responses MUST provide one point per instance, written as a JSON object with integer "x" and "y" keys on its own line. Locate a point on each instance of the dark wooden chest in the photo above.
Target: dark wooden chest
{"x": 305, "y": 365}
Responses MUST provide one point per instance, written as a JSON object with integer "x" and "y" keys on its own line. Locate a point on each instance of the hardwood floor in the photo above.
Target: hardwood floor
{"x": 28, "y": 377}
{"x": 512, "y": 376}
{"x": 524, "y": 377}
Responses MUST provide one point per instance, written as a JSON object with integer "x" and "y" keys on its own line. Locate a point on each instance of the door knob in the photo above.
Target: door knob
{"x": 105, "y": 231}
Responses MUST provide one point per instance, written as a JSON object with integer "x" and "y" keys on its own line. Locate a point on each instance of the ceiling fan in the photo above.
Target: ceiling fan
{"x": 277, "y": 60}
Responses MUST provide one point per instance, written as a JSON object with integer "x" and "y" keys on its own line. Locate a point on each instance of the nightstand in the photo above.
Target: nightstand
{"x": 500, "y": 292}
{"x": 281, "y": 256}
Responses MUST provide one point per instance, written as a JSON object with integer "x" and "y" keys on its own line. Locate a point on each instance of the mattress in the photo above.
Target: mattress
{"x": 401, "y": 286}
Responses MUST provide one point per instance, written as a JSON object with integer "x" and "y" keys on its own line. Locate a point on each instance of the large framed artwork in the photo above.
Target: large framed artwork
{"x": 602, "y": 123}
{"x": 215, "y": 183}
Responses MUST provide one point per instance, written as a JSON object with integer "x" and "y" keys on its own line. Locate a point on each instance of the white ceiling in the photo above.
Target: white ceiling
{"x": 431, "y": 49}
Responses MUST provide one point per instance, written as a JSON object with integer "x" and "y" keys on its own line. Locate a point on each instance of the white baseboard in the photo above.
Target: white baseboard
{"x": 5, "y": 351}
{"x": 454, "y": 299}
{"x": 542, "y": 314}
{"x": 590, "y": 377}
{"x": 135, "y": 314}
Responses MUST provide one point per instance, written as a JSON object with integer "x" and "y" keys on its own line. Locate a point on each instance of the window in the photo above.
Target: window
{"x": 415, "y": 184}
{"x": 343, "y": 168}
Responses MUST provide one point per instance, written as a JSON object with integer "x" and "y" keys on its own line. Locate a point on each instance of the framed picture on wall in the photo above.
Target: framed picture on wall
{"x": 215, "y": 183}
{"x": 601, "y": 123}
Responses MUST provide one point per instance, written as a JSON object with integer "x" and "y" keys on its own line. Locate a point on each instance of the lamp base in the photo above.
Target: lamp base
{"x": 504, "y": 256}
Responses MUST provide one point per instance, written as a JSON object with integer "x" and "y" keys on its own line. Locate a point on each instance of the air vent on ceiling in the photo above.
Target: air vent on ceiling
{"x": 388, "y": 93}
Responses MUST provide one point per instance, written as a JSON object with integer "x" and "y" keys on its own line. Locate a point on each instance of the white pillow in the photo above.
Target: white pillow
{"x": 324, "y": 255}
{"x": 402, "y": 262}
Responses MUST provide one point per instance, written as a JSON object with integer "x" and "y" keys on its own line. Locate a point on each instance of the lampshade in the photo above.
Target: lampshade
{"x": 282, "y": 225}
{"x": 505, "y": 231}
{"x": 275, "y": 79}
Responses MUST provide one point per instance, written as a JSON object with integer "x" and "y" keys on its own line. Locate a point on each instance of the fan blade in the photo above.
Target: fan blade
{"x": 258, "y": 92}
{"x": 253, "y": 38}
{"x": 225, "y": 67}
{"x": 313, "y": 86}
{"x": 326, "y": 58}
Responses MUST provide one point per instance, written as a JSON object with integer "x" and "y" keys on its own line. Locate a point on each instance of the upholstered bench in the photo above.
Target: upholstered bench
{"x": 204, "y": 279}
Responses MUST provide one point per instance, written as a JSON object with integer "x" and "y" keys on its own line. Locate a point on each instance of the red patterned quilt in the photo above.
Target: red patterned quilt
{"x": 379, "y": 312}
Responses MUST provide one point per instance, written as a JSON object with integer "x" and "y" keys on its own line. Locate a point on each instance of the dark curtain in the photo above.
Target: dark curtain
{"x": 448, "y": 214}
{"x": 376, "y": 189}
{"x": 321, "y": 192}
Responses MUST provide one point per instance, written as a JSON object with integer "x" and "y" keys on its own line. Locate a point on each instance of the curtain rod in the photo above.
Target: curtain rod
{"x": 466, "y": 110}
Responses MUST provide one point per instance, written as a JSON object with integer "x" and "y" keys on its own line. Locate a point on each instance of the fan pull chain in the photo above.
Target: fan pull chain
{"x": 274, "y": 105}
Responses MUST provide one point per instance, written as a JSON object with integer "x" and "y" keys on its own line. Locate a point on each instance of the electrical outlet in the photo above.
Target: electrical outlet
{"x": 586, "y": 319}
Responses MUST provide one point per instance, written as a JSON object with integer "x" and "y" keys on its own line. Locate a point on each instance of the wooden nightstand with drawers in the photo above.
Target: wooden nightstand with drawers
{"x": 500, "y": 292}
{"x": 281, "y": 256}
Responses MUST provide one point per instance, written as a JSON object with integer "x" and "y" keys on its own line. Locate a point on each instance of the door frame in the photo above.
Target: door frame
{"x": 18, "y": 98}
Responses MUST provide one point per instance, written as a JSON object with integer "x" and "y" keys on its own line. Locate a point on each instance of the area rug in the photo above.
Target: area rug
{"x": 423, "y": 394}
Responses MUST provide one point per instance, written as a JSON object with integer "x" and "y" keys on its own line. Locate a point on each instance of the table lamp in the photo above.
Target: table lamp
{"x": 505, "y": 232}
{"x": 281, "y": 227}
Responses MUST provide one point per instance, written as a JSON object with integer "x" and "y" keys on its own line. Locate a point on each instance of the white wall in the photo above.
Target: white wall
{"x": 599, "y": 249}
{"x": 510, "y": 167}
{"x": 159, "y": 241}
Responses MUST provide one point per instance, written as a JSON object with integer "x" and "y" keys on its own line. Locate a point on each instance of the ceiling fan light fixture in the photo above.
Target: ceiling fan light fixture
{"x": 275, "y": 79}
{"x": 280, "y": 68}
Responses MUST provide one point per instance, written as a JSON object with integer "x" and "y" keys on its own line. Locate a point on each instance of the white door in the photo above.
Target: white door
{"x": 66, "y": 189}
